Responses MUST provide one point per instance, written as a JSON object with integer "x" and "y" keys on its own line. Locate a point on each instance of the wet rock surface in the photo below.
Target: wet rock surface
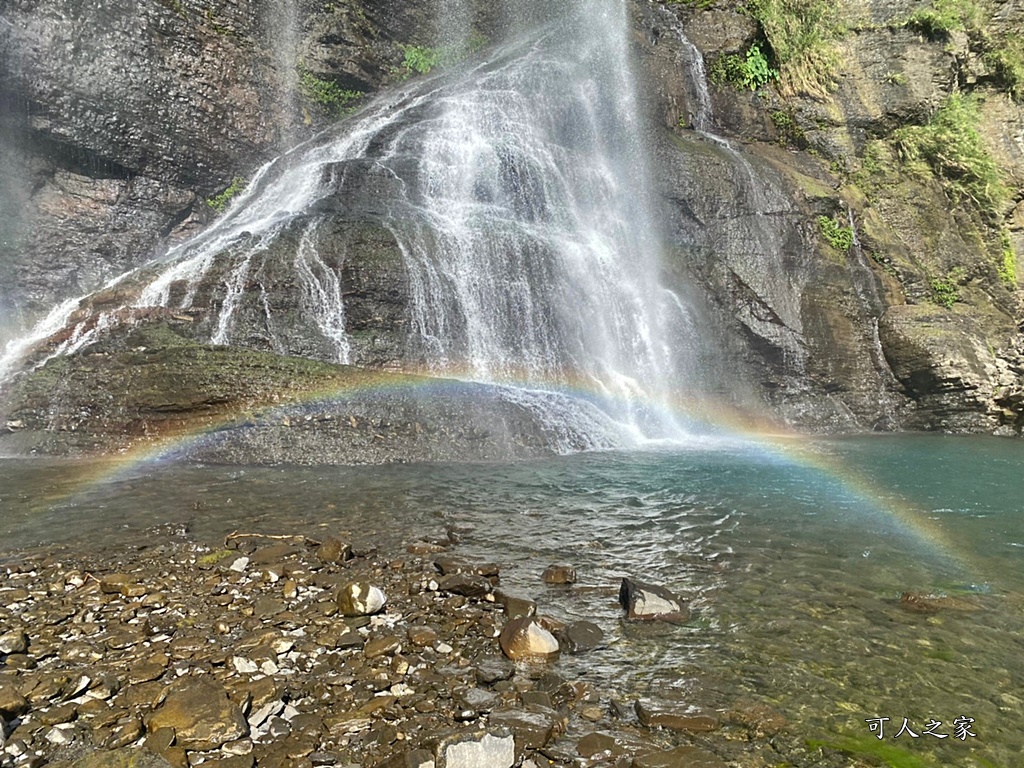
{"x": 244, "y": 653}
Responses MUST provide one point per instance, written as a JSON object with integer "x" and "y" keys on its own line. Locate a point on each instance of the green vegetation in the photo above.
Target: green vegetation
{"x": 1007, "y": 266}
{"x": 1006, "y": 58}
{"x": 950, "y": 145}
{"x": 421, "y": 59}
{"x": 327, "y": 94}
{"x": 220, "y": 202}
{"x": 790, "y": 132}
{"x": 943, "y": 17}
{"x": 835, "y": 234}
{"x": 875, "y": 751}
{"x": 946, "y": 290}
{"x": 802, "y": 36}
{"x": 751, "y": 71}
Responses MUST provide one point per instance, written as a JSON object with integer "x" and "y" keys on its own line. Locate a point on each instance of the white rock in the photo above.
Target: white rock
{"x": 268, "y": 667}
{"x": 443, "y": 648}
{"x": 492, "y": 751}
{"x": 264, "y": 713}
{"x": 282, "y": 645}
{"x": 244, "y": 666}
{"x": 239, "y": 565}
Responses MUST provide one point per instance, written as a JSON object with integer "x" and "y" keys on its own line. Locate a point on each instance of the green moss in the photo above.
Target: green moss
{"x": 946, "y": 290}
{"x": 943, "y": 17}
{"x": 214, "y": 557}
{"x": 1006, "y": 59}
{"x": 327, "y": 94}
{"x": 220, "y": 202}
{"x": 1007, "y": 266}
{"x": 802, "y": 36}
{"x": 421, "y": 60}
{"x": 749, "y": 72}
{"x": 835, "y": 234}
{"x": 951, "y": 146}
{"x": 874, "y": 750}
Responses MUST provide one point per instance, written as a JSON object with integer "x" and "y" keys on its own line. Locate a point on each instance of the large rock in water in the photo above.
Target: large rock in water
{"x": 649, "y": 602}
{"x": 201, "y": 715}
{"x": 524, "y": 639}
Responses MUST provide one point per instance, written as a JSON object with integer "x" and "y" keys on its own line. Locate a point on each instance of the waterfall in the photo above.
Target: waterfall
{"x": 516, "y": 186}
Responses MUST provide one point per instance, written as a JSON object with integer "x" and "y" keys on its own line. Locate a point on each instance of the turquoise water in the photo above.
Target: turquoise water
{"x": 793, "y": 556}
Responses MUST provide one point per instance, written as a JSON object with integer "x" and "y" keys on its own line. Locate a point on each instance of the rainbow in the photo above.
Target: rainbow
{"x": 723, "y": 424}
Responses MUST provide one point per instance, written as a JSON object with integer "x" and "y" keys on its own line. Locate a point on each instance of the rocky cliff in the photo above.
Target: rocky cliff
{"x": 845, "y": 201}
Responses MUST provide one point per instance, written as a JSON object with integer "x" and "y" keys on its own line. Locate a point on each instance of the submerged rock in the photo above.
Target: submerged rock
{"x": 559, "y": 574}
{"x": 650, "y": 602}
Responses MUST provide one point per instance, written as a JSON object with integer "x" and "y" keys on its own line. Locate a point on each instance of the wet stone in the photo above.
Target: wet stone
{"x": 421, "y": 637}
{"x": 525, "y": 638}
{"x": 464, "y": 584}
{"x": 581, "y": 636}
{"x": 650, "y": 602}
{"x": 680, "y": 757}
{"x": 532, "y": 729}
{"x": 492, "y": 670}
{"x": 559, "y": 574}
{"x": 515, "y": 607}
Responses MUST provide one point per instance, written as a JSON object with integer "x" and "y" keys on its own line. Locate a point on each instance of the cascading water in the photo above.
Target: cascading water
{"x": 516, "y": 188}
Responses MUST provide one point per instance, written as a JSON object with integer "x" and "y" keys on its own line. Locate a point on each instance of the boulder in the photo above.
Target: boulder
{"x": 201, "y": 715}
{"x": 359, "y": 598}
{"x": 650, "y": 602}
{"x": 581, "y": 636}
{"x": 525, "y": 639}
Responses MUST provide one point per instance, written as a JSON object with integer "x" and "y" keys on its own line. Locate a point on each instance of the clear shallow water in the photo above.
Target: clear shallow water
{"x": 794, "y": 557}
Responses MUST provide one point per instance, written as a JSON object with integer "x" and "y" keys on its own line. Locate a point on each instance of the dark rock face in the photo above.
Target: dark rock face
{"x": 117, "y": 122}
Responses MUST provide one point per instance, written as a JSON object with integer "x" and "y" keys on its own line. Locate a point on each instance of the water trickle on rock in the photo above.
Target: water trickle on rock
{"x": 516, "y": 187}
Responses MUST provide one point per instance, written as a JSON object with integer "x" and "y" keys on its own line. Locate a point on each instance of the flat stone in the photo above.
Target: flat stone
{"x": 559, "y": 574}
{"x": 596, "y": 744}
{"x": 526, "y": 639}
{"x": 680, "y": 757}
{"x": 651, "y": 718}
{"x": 111, "y": 583}
{"x": 201, "y": 715}
{"x": 650, "y": 602}
{"x": 464, "y": 584}
{"x": 421, "y": 637}
{"x": 532, "y": 730}
{"x": 581, "y": 636}
{"x": 448, "y": 565}
{"x": 360, "y": 599}
{"x": 493, "y": 670}
{"x": 516, "y": 607}
{"x": 381, "y": 646}
{"x": 477, "y": 699}
{"x": 477, "y": 751}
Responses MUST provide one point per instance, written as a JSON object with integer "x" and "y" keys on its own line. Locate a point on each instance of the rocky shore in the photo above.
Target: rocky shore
{"x": 287, "y": 651}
